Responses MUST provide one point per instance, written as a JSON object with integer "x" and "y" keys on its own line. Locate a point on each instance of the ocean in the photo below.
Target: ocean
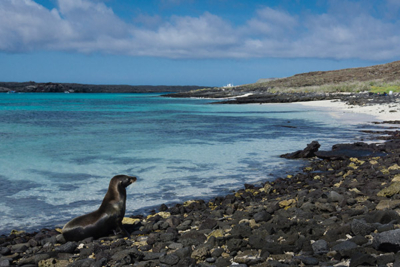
{"x": 59, "y": 151}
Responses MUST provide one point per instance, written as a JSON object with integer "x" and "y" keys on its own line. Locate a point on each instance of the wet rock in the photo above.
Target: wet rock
{"x": 308, "y": 152}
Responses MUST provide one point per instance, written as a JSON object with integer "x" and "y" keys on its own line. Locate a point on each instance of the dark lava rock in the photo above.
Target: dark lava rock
{"x": 192, "y": 238}
{"x": 308, "y": 152}
{"x": 358, "y": 259}
{"x": 320, "y": 246}
{"x": 382, "y": 217}
{"x": 241, "y": 231}
{"x": 82, "y": 263}
{"x": 360, "y": 227}
{"x": 170, "y": 259}
{"x": 235, "y": 244}
{"x": 388, "y": 241}
{"x": 262, "y": 216}
{"x": 308, "y": 260}
{"x": 346, "y": 151}
{"x": 344, "y": 247}
{"x": 208, "y": 224}
{"x": 68, "y": 247}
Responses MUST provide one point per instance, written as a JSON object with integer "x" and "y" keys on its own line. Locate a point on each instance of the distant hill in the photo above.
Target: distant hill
{"x": 385, "y": 72}
{"x": 33, "y": 87}
{"x": 344, "y": 80}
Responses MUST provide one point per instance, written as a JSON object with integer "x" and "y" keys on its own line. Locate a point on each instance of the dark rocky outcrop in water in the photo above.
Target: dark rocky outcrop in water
{"x": 308, "y": 152}
{"x": 338, "y": 211}
{"x": 32, "y": 87}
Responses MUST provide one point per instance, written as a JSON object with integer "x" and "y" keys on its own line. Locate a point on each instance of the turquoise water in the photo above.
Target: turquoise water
{"x": 59, "y": 151}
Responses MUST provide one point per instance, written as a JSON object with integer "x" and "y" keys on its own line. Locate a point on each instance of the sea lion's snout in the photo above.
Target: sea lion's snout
{"x": 132, "y": 179}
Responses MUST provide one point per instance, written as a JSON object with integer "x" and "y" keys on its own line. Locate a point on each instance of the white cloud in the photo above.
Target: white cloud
{"x": 90, "y": 26}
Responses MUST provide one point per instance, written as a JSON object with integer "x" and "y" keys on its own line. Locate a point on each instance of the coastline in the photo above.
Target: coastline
{"x": 380, "y": 112}
{"x": 331, "y": 213}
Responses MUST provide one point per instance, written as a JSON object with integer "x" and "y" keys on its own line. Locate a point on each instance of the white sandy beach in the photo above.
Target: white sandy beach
{"x": 357, "y": 114}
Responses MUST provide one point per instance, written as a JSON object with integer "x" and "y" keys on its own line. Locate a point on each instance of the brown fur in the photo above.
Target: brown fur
{"x": 107, "y": 218}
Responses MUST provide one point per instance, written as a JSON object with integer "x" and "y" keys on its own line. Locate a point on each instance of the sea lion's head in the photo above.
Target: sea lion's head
{"x": 123, "y": 180}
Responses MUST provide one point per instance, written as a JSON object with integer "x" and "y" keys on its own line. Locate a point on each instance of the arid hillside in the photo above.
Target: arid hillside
{"x": 385, "y": 72}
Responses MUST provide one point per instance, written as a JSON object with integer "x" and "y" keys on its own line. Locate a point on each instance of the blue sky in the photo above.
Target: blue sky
{"x": 189, "y": 42}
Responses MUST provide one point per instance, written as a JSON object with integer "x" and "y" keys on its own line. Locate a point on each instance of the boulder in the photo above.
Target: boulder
{"x": 308, "y": 152}
{"x": 388, "y": 241}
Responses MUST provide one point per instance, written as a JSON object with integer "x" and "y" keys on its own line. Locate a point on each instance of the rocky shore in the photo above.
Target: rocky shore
{"x": 341, "y": 210}
{"x": 236, "y": 96}
{"x": 33, "y": 87}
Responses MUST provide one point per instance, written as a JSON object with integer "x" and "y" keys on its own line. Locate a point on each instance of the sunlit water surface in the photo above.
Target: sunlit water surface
{"x": 59, "y": 151}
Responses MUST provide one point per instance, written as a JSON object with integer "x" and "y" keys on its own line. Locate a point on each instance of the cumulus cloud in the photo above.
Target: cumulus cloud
{"x": 90, "y": 26}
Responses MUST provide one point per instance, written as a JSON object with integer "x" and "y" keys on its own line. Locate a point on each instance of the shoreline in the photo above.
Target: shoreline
{"x": 381, "y": 112}
{"x": 324, "y": 215}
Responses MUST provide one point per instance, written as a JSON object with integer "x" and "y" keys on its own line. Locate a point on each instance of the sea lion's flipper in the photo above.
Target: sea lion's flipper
{"x": 121, "y": 229}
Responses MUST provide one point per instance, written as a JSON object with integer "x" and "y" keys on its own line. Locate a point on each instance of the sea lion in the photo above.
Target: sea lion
{"x": 107, "y": 218}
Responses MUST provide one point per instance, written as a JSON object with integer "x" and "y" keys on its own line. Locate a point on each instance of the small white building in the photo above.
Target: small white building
{"x": 228, "y": 85}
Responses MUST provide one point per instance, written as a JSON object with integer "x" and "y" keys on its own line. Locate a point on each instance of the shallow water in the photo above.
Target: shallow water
{"x": 59, "y": 151}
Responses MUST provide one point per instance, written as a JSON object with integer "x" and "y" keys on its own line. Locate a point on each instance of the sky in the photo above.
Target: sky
{"x": 191, "y": 42}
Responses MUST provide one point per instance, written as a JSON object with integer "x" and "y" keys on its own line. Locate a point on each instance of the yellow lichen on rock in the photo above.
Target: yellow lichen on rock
{"x": 287, "y": 203}
{"x": 52, "y": 262}
{"x": 347, "y": 174}
{"x": 127, "y": 220}
{"x": 338, "y": 184}
{"x": 396, "y": 178}
{"x": 353, "y": 165}
{"x": 391, "y": 190}
{"x": 395, "y": 167}
{"x": 163, "y": 214}
{"x": 17, "y": 232}
{"x": 267, "y": 188}
{"x": 357, "y": 161}
{"x": 355, "y": 190}
{"x": 216, "y": 233}
{"x": 187, "y": 203}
